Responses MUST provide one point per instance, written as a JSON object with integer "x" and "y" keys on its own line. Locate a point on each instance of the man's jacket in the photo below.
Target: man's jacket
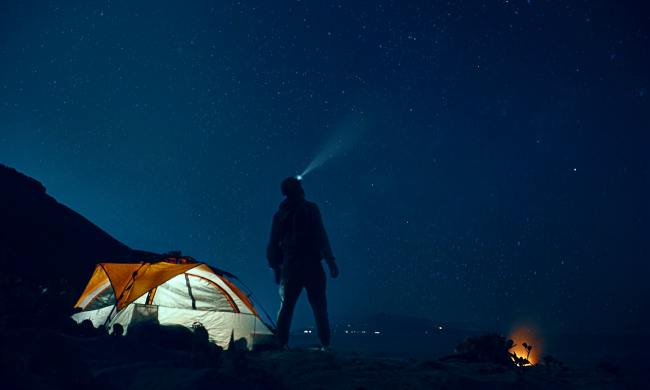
{"x": 297, "y": 234}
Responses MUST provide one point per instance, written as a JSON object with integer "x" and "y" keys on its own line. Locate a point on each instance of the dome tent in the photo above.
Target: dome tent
{"x": 173, "y": 291}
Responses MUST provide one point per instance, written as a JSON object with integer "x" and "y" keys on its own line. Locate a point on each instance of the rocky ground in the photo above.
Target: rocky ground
{"x": 315, "y": 370}
{"x": 177, "y": 358}
{"x": 42, "y": 348}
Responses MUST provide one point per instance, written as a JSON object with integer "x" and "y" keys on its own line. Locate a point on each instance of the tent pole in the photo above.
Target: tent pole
{"x": 249, "y": 293}
{"x": 109, "y": 316}
{"x": 117, "y": 300}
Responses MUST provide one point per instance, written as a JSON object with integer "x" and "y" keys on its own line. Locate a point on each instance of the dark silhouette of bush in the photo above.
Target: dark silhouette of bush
{"x": 118, "y": 330}
{"x": 171, "y": 340}
{"x": 489, "y": 348}
{"x": 551, "y": 363}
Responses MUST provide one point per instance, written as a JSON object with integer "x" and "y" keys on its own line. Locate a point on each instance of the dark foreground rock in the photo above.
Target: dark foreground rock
{"x": 317, "y": 370}
{"x": 178, "y": 358}
{"x": 152, "y": 357}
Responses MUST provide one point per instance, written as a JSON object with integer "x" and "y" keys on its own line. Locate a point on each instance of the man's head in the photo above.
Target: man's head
{"x": 292, "y": 188}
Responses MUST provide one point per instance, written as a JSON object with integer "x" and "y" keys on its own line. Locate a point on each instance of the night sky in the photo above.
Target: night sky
{"x": 491, "y": 160}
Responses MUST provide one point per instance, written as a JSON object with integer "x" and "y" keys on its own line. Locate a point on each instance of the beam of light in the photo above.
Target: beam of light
{"x": 346, "y": 136}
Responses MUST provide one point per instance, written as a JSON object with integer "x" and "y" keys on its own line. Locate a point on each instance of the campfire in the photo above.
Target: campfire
{"x": 526, "y": 350}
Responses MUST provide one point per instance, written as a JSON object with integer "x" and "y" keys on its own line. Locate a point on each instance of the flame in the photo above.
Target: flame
{"x": 526, "y": 334}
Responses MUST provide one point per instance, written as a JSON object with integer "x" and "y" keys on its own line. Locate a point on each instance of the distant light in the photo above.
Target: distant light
{"x": 376, "y": 332}
{"x": 439, "y": 327}
{"x": 299, "y": 177}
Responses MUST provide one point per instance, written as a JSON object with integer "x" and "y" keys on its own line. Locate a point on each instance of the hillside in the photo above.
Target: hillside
{"x": 43, "y": 241}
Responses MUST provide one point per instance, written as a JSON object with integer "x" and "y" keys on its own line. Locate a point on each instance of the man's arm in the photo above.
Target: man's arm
{"x": 273, "y": 250}
{"x": 326, "y": 249}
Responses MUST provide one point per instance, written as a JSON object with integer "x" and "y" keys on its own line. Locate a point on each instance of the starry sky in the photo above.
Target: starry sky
{"x": 489, "y": 161}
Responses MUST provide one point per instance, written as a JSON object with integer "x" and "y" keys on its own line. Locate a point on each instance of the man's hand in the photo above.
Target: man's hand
{"x": 277, "y": 274}
{"x": 334, "y": 269}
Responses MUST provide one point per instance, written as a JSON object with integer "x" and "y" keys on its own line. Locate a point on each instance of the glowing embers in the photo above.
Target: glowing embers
{"x": 526, "y": 349}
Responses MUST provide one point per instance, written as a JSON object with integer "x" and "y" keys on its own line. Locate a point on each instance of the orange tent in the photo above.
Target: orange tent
{"x": 173, "y": 291}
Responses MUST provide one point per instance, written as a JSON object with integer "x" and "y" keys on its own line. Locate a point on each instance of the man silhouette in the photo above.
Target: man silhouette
{"x": 297, "y": 245}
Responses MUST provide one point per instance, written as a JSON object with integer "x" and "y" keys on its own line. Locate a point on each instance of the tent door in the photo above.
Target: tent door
{"x": 144, "y": 313}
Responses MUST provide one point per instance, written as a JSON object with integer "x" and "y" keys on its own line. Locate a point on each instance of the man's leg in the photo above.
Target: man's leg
{"x": 315, "y": 286}
{"x": 289, "y": 293}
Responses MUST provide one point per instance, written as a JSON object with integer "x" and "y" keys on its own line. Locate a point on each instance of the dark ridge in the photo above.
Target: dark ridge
{"x": 45, "y": 242}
